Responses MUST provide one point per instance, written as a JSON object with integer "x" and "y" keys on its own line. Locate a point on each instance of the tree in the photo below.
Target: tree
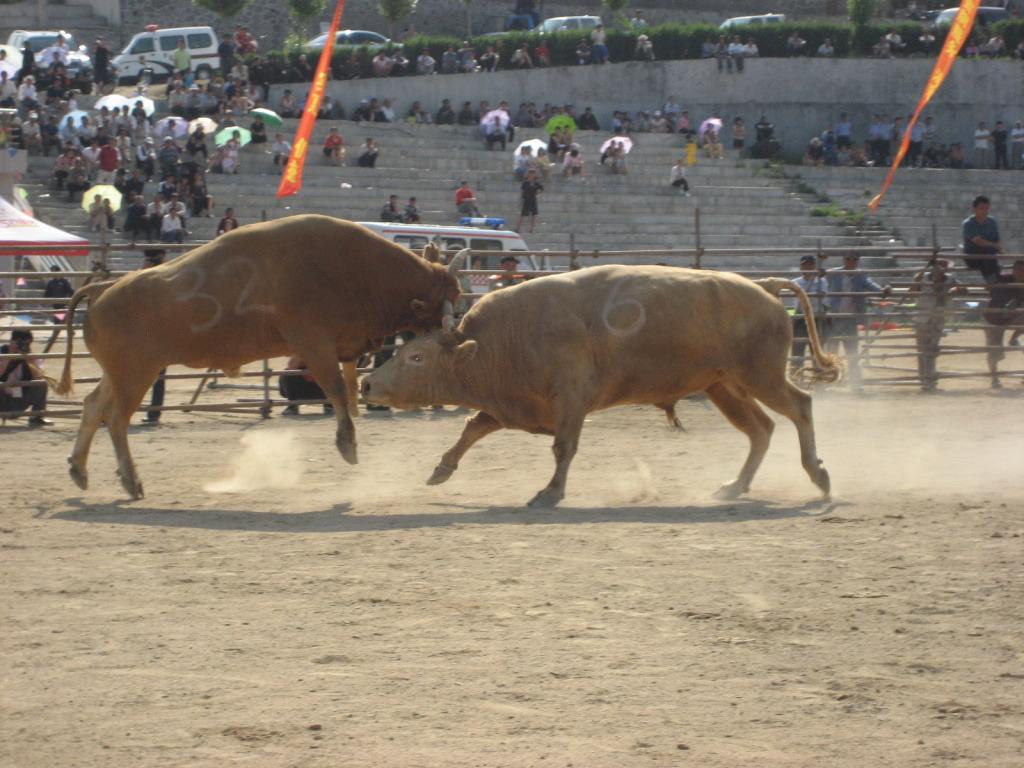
{"x": 223, "y": 8}
{"x": 469, "y": 17}
{"x": 306, "y": 9}
{"x": 616, "y": 7}
{"x": 394, "y": 11}
{"x": 861, "y": 11}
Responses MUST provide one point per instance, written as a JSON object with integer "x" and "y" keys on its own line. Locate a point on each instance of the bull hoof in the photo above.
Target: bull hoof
{"x": 348, "y": 452}
{"x": 546, "y": 499}
{"x": 80, "y": 476}
{"x": 133, "y": 486}
{"x": 729, "y": 491}
{"x": 824, "y": 482}
{"x": 441, "y": 474}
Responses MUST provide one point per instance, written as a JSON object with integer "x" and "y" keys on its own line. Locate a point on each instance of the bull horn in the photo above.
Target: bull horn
{"x": 448, "y": 316}
{"x": 457, "y": 261}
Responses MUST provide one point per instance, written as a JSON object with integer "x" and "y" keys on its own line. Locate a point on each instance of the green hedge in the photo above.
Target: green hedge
{"x": 682, "y": 41}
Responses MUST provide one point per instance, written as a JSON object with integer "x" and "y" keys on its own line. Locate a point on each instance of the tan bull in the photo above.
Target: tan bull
{"x": 313, "y": 286}
{"x": 542, "y": 355}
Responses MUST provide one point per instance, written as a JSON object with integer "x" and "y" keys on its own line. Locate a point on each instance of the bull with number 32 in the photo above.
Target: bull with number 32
{"x": 313, "y": 286}
{"x": 541, "y": 355}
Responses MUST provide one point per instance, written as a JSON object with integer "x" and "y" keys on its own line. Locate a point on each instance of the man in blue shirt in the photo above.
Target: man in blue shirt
{"x": 981, "y": 238}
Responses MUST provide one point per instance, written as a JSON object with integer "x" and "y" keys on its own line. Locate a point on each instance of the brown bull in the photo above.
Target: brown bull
{"x": 542, "y": 355}
{"x": 313, "y": 286}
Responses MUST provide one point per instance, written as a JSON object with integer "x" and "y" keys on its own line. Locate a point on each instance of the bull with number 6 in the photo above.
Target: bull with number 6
{"x": 321, "y": 288}
{"x": 542, "y": 355}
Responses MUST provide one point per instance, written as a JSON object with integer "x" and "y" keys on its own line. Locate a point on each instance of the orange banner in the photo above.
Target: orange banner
{"x": 291, "y": 182}
{"x": 958, "y": 33}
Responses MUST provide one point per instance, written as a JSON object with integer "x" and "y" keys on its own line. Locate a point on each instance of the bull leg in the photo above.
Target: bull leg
{"x": 746, "y": 415}
{"x": 126, "y": 400}
{"x": 670, "y": 412}
{"x": 477, "y": 428}
{"x": 351, "y": 376}
{"x": 792, "y": 402}
{"x": 322, "y": 364}
{"x": 567, "y": 438}
{"x": 94, "y": 411}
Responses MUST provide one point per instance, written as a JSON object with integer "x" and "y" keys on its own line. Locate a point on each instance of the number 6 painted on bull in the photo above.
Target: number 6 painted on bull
{"x": 612, "y": 303}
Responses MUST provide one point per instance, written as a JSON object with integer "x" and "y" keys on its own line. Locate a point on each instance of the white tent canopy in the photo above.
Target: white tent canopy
{"x": 27, "y": 234}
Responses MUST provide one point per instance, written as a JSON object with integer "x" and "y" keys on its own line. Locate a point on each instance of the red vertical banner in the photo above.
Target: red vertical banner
{"x": 958, "y": 33}
{"x": 291, "y": 182}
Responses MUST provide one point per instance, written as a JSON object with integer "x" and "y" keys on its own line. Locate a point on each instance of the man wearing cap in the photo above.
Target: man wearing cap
{"x": 31, "y": 134}
{"x": 13, "y": 373}
{"x": 509, "y": 267}
{"x": 815, "y": 287}
{"x": 145, "y": 158}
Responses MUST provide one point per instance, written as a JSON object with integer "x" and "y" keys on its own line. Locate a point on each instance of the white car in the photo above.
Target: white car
{"x": 353, "y": 37}
{"x": 747, "y": 21}
{"x": 79, "y": 63}
{"x": 568, "y": 24}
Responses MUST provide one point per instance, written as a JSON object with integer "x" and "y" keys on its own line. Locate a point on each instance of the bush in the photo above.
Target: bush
{"x": 681, "y": 41}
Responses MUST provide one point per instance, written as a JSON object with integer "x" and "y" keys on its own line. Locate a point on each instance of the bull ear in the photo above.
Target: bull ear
{"x": 465, "y": 352}
{"x": 432, "y": 253}
{"x": 420, "y": 308}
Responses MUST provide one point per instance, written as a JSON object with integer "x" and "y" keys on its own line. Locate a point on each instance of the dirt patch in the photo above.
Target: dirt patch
{"x": 360, "y": 618}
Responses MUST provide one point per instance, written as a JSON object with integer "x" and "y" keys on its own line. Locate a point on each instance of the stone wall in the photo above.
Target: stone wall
{"x": 800, "y": 96}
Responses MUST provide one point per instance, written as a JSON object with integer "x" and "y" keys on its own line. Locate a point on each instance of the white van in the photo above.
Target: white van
{"x": 153, "y": 51}
{"x": 756, "y": 21}
{"x": 568, "y": 24}
{"x": 415, "y": 236}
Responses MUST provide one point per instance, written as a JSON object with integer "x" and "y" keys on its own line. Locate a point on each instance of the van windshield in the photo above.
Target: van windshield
{"x": 142, "y": 45}
{"x": 38, "y": 42}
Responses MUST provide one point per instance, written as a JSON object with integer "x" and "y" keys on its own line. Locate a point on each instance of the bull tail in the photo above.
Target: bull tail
{"x": 829, "y": 368}
{"x": 66, "y": 385}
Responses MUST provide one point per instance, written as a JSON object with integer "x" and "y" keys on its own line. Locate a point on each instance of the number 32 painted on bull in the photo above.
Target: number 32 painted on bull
{"x": 614, "y": 305}
{"x": 197, "y": 277}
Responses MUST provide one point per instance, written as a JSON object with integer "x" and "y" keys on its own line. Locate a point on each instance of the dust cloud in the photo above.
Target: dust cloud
{"x": 271, "y": 459}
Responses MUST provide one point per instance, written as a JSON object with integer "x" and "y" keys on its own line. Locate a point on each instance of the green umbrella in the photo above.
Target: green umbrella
{"x": 225, "y": 135}
{"x": 560, "y": 121}
{"x": 270, "y": 117}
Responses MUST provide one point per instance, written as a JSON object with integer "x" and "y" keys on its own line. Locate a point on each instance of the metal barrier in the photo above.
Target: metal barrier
{"x": 878, "y": 345}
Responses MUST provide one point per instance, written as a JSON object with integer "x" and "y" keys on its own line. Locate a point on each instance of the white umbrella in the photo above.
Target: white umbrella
{"x": 171, "y": 126}
{"x": 208, "y": 125}
{"x": 625, "y": 141}
{"x": 712, "y": 121}
{"x": 534, "y": 144}
{"x": 488, "y": 120}
{"x": 147, "y": 104}
{"x": 111, "y": 101}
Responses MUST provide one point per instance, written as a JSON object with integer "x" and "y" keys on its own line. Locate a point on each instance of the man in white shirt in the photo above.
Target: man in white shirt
{"x": 522, "y": 163}
{"x": 814, "y": 285}
{"x": 426, "y": 63}
{"x": 1017, "y": 145}
{"x": 8, "y": 91}
{"x": 282, "y": 151}
{"x": 388, "y": 110}
{"x": 31, "y": 135}
{"x": 982, "y": 140}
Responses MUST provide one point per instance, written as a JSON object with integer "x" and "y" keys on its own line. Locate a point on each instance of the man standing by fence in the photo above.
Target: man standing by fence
{"x": 852, "y": 287}
{"x": 932, "y": 289}
{"x": 981, "y": 239}
{"x": 1006, "y": 308}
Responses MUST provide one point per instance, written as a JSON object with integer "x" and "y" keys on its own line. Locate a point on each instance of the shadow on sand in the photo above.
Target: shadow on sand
{"x": 340, "y": 519}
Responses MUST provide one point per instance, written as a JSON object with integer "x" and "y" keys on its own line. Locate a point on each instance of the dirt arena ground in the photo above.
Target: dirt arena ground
{"x": 267, "y": 605}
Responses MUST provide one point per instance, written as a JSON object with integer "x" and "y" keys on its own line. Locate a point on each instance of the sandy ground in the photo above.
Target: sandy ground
{"x": 268, "y": 605}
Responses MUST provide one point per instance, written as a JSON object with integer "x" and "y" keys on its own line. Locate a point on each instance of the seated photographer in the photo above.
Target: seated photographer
{"x": 300, "y": 387}
{"x": 12, "y": 372}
